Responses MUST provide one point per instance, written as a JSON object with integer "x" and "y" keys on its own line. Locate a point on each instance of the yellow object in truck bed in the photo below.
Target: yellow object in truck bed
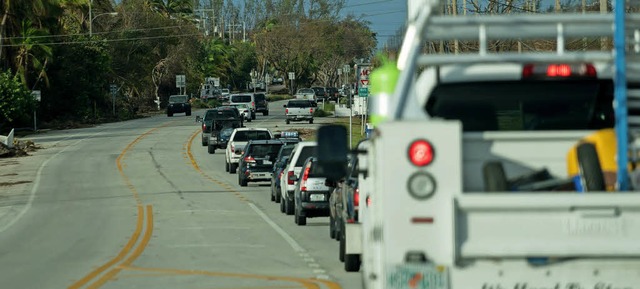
{"x": 605, "y": 142}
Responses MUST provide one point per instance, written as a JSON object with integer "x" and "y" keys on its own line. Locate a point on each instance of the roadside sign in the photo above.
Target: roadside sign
{"x": 292, "y": 75}
{"x": 36, "y": 95}
{"x": 363, "y": 73}
{"x": 180, "y": 80}
{"x": 363, "y": 92}
{"x": 114, "y": 89}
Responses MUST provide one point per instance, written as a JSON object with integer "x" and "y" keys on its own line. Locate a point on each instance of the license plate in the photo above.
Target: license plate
{"x": 317, "y": 197}
{"x": 259, "y": 175}
{"x": 409, "y": 276}
{"x": 267, "y": 162}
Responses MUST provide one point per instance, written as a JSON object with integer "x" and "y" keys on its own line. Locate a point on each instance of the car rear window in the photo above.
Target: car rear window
{"x": 305, "y": 153}
{"x": 259, "y": 97}
{"x": 286, "y": 150}
{"x": 262, "y": 150}
{"x": 298, "y": 103}
{"x": 177, "y": 98}
{"x": 220, "y": 114}
{"x": 241, "y": 98}
{"x": 247, "y": 135}
{"x": 525, "y": 105}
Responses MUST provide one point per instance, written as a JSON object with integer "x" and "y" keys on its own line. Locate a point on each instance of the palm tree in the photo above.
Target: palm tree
{"x": 171, "y": 8}
{"x": 32, "y": 56}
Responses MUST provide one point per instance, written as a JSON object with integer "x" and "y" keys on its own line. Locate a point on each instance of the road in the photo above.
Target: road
{"x": 141, "y": 204}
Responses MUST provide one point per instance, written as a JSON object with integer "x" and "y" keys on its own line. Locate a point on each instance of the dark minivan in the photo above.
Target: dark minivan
{"x": 262, "y": 105}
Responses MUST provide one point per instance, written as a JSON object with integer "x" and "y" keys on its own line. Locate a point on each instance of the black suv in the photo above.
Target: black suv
{"x": 320, "y": 92}
{"x": 256, "y": 162}
{"x": 262, "y": 105}
{"x": 222, "y": 115}
{"x": 178, "y": 104}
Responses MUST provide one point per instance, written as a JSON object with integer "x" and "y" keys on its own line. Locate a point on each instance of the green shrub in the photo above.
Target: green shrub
{"x": 199, "y": 103}
{"x": 277, "y": 97}
{"x": 320, "y": 113}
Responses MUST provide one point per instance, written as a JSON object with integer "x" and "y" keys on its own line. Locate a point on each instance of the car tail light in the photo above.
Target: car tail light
{"x": 204, "y": 127}
{"x": 249, "y": 159}
{"x": 286, "y": 110}
{"x": 559, "y": 70}
{"x": 421, "y": 153}
{"x": 289, "y": 180}
{"x": 305, "y": 177}
{"x": 311, "y": 110}
{"x": 368, "y": 201}
{"x": 356, "y": 197}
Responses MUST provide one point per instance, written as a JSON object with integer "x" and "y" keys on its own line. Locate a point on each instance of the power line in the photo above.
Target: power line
{"x": 95, "y": 33}
{"x": 107, "y": 40}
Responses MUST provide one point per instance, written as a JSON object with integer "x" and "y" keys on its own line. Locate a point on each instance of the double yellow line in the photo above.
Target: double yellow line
{"x": 121, "y": 260}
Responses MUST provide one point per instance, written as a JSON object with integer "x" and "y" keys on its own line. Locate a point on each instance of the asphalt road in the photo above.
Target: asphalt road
{"x": 141, "y": 204}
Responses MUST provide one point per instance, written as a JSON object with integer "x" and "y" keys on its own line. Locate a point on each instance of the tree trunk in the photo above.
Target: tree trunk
{"x": 3, "y": 24}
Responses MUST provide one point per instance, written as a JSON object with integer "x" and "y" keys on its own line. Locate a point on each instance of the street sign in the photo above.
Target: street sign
{"x": 363, "y": 92}
{"x": 114, "y": 89}
{"x": 364, "y": 76}
{"x": 36, "y": 95}
{"x": 292, "y": 75}
{"x": 180, "y": 81}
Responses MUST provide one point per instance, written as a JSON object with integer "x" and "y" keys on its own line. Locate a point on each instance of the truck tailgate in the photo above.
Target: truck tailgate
{"x": 512, "y": 225}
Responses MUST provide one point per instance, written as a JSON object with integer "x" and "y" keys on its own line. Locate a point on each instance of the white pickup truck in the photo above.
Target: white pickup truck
{"x": 299, "y": 110}
{"x": 238, "y": 140}
{"x": 432, "y": 219}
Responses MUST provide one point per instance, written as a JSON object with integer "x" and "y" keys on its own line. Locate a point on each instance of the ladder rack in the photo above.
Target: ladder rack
{"x": 425, "y": 24}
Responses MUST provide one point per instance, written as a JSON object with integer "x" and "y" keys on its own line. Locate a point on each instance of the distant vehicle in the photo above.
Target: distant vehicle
{"x": 244, "y": 109}
{"x": 282, "y": 160}
{"x": 321, "y": 93}
{"x": 333, "y": 93}
{"x": 262, "y": 105}
{"x": 277, "y": 80}
{"x": 178, "y": 104}
{"x": 247, "y": 98}
{"x": 288, "y": 180}
{"x": 256, "y": 163}
{"x": 306, "y": 94}
{"x": 299, "y": 110}
{"x": 238, "y": 140}
{"x": 225, "y": 93}
{"x": 311, "y": 196}
{"x": 219, "y": 113}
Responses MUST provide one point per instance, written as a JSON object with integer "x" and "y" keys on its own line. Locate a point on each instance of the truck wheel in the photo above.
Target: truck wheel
{"x": 311, "y": 120}
{"x": 352, "y": 262}
{"x": 332, "y": 228}
{"x": 273, "y": 197}
{"x": 211, "y": 149}
{"x": 288, "y": 122}
{"x": 288, "y": 207}
{"x": 590, "y": 170}
{"x": 242, "y": 182}
{"x": 169, "y": 114}
{"x": 249, "y": 120}
{"x": 188, "y": 113}
{"x": 204, "y": 143}
{"x": 343, "y": 246}
{"x": 253, "y": 115}
{"x": 495, "y": 179}
{"x": 265, "y": 113}
{"x": 232, "y": 168}
{"x": 300, "y": 220}
{"x": 226, "y": 167}
{"x": 282, "y": 208}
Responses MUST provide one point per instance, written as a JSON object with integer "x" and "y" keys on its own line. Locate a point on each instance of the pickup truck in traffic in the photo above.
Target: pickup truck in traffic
{"x": 299, "y": 110}
{"x": 222, "y": 113}
{"x": 237, "y": 142}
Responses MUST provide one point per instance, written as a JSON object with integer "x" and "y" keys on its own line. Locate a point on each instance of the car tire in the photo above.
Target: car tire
{"x": 226, "y": 167}
{"x": 282, "y": 208}
{"x": 169, "y": 114}
{"x": 211, "y": 149}
{"x": 342, "y": 249}
{"x": 288, "y": 207}
{"x": 273, "y": 197}
{"x": 352, "y": 262}
{"x": 591, "y": 174}
{"x": 300, "y": 220}
{"x": 249, "y": 120}
{"x": 265, "y": 113}
{"x": 253, "y": 115}
{"x": 241, "y": 182}
{"x": 188, "y": 113}
{"x": 233, "y": 168}
{"x": 495, "y": 179}
{"x": 287, "y": 121}
{"x": 204, "y": 143}
{"x": 278, "y": 197}
{"x": 310, "y": 121}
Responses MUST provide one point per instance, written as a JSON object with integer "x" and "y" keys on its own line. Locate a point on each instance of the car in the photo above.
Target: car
{"x": 281, "y": 161}
{"x": 262, "y": 105}
{"x": 336, "y": 200}
{"x": 277, "y": 80}
{"x": 246, "y": 98}
{"x": 223, "y": 136}
{"x": 238, "y": 140}
{"x": 306, "y": 94}
{"x": 299, "y": 110}
{"x": 320, "y": 92}
{"x": 256, "y": 162}
{"x": 224, "y": 94}
{"x": 333, "y": 93}
{"x": 297, "y": 158}
{"x": 244, "y": 109}
{"x": 179, "y": 104}
{"x": 311, "y": 195}
{"x": 219, "y": 113}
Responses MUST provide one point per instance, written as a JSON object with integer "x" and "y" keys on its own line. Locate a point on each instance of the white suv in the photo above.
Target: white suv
{"x": 247, "y": 98}
{"x": 299, "y": 155}
{"x": 238, "y": 140}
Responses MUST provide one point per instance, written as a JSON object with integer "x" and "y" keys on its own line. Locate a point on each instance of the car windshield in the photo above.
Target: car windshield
{"x": 241, "y": 98}
{"x": 306, "y": 90}
{"x": 525, "y": 106}
{"x": 177, "y": 99}
{"x": 305, "y": 153}
{"x": 246, "y": 135}
{"x": 263, "y": 150}
{"x": 299, "y": 103}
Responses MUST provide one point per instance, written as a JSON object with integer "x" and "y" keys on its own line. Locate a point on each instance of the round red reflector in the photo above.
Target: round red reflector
{"x": 421, "y": 153}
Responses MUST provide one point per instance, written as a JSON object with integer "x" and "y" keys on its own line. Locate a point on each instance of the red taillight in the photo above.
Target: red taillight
{"x": 368, "y": 201}
{"x": 289, "y": 180}
{"x": 249, "y": 159}
{"x": 311, "y": 110}
{"x": 563, "y": 70}
{"x": 286, "y": 110}
{"x": 305, "y": 177}
{"x": 356, "y": 197}
{"x": 590, "y": 70}
{"x": 204, "y": 127}
{"x": 527, "y": 71}
{"x": 253, "y": 104}
{"x": 421, "y": 153}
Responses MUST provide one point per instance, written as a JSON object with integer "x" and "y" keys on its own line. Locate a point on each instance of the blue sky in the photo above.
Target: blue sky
{"x": 385, "y": 16}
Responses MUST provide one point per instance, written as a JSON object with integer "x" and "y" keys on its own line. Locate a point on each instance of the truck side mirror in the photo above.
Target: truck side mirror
{"x": 332, "y": 151}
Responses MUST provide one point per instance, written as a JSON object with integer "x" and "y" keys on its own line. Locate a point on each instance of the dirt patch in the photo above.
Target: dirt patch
{"x": 7, "y": 184}
{"x": 306, "y": 133}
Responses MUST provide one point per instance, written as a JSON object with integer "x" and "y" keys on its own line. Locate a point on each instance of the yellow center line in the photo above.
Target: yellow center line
{"x": 139, "y": 219}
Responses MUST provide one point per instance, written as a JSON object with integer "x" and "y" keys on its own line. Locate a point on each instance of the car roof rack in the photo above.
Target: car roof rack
{"x": 425, "y": 23}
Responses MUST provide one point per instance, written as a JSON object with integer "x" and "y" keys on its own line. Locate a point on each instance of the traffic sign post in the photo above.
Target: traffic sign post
{"x": 292, "y": 77}
{"x": 114, "y": 90}
{"x": 37, "y": 96}
{"x": 181, "y": 82}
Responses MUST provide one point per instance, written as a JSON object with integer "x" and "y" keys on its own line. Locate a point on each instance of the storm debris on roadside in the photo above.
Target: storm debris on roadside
{"x": 20, "y": 148}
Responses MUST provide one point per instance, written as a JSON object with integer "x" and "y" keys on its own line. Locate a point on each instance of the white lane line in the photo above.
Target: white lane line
{"x": 216, "y": 245}
{"x": 207, "y": 228}
{"x": 36, "y": 183}
{"x": 296, "y": 247}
